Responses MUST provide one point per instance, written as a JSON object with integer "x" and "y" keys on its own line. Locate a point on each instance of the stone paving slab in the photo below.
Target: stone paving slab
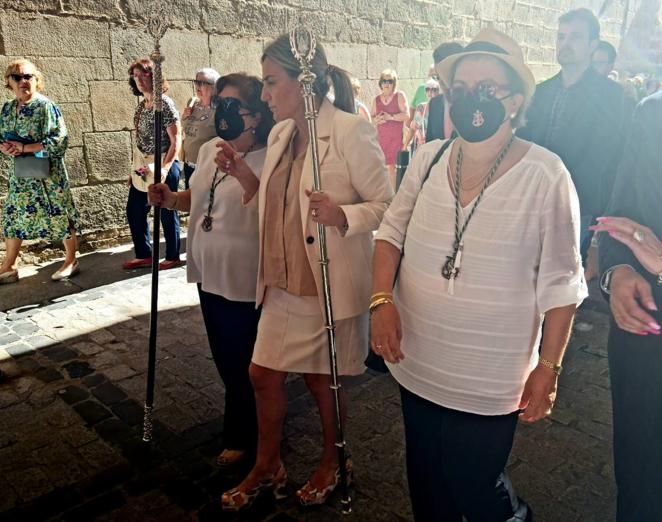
{"x": 71, "y": 421}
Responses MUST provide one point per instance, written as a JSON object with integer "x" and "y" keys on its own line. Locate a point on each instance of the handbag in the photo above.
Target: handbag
{"x": 373, "y": 361}
{"x": 30, "y": 166}
{"x": 142, "y": 175}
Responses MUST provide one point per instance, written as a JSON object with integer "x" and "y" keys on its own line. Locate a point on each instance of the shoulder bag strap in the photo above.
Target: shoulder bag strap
{"x": 434, "y": 161}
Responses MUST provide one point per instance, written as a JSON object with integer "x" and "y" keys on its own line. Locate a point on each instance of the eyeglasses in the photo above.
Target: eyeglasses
{"x": 200, "y": 83}
{"x": 431, "y": 89}
{"x": 141, "y": 74}
{"x": 485, "y": 91}
{"x": 387, "y": 82}
{"x": 19, "y": 77}
{"x": 230, "y": 104}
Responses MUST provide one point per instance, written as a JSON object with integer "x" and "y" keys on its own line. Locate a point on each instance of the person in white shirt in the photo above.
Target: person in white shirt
{"x": 222, "y": 257}
{"x": 490, "y": 244}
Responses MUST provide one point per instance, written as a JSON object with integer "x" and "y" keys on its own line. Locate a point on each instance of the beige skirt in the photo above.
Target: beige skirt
{"x": 291, "y": 337}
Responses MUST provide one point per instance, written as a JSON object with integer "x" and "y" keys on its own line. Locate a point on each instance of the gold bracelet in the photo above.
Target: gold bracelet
{"x": 380, "y": 294}
{"x": 379, "y": 302}
{"x": 556, "y": 368}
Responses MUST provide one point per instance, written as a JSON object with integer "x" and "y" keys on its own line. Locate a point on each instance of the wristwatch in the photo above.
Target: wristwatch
{"x": 605, "y": 280}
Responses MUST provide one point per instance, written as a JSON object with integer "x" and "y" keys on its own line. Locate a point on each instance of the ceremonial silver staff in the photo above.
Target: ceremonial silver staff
{"x": 156, "y": 27}
{"x": 304, "y": 46}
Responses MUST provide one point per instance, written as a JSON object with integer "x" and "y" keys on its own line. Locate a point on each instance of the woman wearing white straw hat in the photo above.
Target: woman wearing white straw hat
{"x": 488, "y": 229}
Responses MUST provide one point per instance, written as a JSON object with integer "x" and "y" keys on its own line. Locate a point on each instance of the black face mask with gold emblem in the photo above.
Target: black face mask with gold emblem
{"x": 477, "y": 115}
{"x": 229, "y": 123}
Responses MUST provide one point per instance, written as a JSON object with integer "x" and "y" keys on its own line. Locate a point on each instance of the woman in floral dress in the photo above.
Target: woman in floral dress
{"x": 35, "y": 208}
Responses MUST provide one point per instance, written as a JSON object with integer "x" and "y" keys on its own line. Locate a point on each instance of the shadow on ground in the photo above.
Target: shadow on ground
{"x": 71, "y": 422}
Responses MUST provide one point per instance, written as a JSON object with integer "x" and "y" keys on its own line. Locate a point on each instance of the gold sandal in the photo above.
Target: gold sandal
{"x": 310, "y": 496}
{"x": 237, "y": 500}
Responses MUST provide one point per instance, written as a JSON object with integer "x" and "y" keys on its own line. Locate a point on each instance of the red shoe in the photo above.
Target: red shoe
{"x": 137, "y": 263}
{"x": 167, "y": 265}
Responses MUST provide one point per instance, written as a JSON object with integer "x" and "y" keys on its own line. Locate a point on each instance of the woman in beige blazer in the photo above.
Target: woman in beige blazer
{"x": 291, "y": 333}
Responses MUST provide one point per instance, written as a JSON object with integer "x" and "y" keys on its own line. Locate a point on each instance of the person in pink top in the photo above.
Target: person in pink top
{"x": 389, "y": 113}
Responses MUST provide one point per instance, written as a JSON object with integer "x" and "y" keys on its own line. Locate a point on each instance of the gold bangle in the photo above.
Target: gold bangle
{"x": 378, "y": 302}
{"x": 380, "y": 294}
{"x": 556, "y": 368}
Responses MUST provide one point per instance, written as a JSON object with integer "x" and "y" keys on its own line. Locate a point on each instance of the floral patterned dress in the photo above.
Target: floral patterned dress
{"x": 38, "y": 208}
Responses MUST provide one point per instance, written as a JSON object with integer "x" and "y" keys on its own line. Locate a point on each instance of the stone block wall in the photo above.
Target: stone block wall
{"x": 84, "y": 48}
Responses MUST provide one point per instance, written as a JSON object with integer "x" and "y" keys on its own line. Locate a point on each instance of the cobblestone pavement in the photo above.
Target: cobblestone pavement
{"x": 70, "y": 420}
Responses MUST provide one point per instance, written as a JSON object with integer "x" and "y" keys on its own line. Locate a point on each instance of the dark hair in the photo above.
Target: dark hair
{"x": 445, "y": 50}
{"x": 280, "y": 52}
{"x": 606, "y": 47}
{"x": 515, "y": 84}
{"x": 145, "y": 65}
{"x": 587, "y": 17}
{"x": 250, "y": 90}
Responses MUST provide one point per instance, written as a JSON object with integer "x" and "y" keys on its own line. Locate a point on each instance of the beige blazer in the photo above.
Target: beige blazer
{"x": 354, "y": 176}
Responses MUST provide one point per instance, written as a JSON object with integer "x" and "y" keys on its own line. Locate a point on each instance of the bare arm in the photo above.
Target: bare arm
{"x": 403, "y": 115}
{"x": 175, "y": 135}
{"x": 385, "y": 262}
{"x": 540, "y": 388}
{"x": 385, "y": 326}
{"x": 558, "y": 326}
{"x": 161, "y": 195}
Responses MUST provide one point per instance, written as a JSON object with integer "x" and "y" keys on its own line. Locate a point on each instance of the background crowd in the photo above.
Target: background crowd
{"x": 507, "y": 183}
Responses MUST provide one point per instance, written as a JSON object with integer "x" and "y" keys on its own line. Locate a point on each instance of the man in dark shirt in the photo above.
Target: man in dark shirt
{"x": 635, "y": 346}
{"x": 580, "y": 115}
{"x": 439, "y": 125}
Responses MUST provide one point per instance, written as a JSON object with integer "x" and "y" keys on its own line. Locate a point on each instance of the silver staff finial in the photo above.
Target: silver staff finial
{"x": 303, "y": 44}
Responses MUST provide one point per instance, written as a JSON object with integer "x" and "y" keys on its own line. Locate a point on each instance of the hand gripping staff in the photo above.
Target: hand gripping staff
{"x": 156, "y": 28}
{"x": 303, "y": 44}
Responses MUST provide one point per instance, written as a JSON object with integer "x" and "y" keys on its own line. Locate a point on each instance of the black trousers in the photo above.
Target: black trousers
{"x": 231, "y": 329}
{"x": 456, "y": 462}
{"x": 635, "y": 366}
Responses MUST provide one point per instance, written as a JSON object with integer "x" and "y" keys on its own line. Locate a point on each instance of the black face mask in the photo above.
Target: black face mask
{"x": 477, "y": 117}
{"x": 229, "y": 123}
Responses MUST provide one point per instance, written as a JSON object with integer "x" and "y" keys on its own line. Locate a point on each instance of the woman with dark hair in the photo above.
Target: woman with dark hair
{"x": 222, "y": 251}
{"x": 485, "y": 230}
{"x": 137, "y": 207}
{"x": 291, "y": 333}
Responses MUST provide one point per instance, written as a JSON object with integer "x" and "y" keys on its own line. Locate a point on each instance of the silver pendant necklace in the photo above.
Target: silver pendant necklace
{"x": 451, "y": 268}
{"x": 207, "y": 220}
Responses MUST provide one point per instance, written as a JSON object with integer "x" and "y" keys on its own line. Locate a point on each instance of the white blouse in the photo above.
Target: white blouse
{"x": 473, "y": 350}
{"x": 224, "y": 259}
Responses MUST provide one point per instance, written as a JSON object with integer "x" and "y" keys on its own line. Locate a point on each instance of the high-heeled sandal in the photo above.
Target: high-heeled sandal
{"x": 237, "y": 500}
{"x": 310, "y": 496}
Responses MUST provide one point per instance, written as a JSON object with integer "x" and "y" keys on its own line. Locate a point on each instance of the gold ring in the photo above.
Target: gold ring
{"x": 638, "y": 235}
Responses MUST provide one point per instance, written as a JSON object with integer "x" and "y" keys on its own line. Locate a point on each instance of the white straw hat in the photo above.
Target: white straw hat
{"x": 491, "y": 42}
